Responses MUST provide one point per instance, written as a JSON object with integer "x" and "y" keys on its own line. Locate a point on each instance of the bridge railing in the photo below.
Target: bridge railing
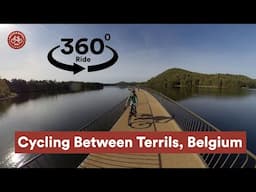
{"x": 189, "y": 121}
{"x": 104, "y": 122}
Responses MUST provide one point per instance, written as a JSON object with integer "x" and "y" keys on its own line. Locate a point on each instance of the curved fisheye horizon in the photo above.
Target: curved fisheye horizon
{"x": 127, "y": 95}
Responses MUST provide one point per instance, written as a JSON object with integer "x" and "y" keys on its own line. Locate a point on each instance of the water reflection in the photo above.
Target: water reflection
{"x": 4, "y": 106}
{"x": 227, "y": 109}
{"x": 185, "y": 93}
{"x": 13, "y": 159}
{"x": 48, "y": 112}
{"x": 20, "y": 99}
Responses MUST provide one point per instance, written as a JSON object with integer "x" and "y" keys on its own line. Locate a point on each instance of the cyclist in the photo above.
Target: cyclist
{"x": 132, "y": 101}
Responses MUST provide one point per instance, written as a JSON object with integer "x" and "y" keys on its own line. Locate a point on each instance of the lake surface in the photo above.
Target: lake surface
{"x": 227, "y": 109}
{"x": 35, "y": 112}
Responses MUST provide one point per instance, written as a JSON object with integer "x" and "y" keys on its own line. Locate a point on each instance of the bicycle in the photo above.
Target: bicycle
{"x": 133, "y": 112}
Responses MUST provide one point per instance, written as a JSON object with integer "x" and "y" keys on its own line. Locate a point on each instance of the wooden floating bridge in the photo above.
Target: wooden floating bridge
{"x": 152, "y": 116}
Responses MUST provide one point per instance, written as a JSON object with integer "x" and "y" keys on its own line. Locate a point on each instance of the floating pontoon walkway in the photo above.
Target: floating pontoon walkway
{"x": 152, "y": 116}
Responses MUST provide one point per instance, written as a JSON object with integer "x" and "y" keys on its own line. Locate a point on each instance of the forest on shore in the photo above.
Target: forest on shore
{"x": 176, "y": 77}
{"x": 18, "y": 86}
{"x": 171, "y": 78}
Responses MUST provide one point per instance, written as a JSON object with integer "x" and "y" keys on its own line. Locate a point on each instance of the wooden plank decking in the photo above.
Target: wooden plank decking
{"x": 152, "y": 116}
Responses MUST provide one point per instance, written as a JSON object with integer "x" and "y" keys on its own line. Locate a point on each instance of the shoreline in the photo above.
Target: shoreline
{"x": 13, "y": 95}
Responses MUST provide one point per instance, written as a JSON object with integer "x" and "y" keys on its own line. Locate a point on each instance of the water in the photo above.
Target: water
{"x": 50, "y": 113}
{"x": 228, "y": 110}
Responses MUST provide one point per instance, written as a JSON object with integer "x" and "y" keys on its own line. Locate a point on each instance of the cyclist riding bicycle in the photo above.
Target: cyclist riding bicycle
{"x": 132, "y": 101}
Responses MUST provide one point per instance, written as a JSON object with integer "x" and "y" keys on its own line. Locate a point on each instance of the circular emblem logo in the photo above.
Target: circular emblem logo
{"x": 16, "y": 39}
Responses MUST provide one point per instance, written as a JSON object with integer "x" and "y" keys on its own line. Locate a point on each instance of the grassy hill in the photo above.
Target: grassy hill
{"x": 182, "y": 78}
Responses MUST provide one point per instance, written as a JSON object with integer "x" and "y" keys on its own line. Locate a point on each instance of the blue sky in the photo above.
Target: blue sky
{"x": 145, "y": 50}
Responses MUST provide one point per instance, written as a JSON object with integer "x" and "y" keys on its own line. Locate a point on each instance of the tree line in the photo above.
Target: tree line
{"x": 183, "y": 78}
{"x": 45, "y": 86}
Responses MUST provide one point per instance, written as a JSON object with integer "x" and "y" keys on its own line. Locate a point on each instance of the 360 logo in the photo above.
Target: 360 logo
{"x": 81, "y": 47}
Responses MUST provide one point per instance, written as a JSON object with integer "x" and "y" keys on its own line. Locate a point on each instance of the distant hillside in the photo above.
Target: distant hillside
{"x": 122, "y": 84}
{"x": 182, "y": 78}
{"x": 4, "y": 89}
